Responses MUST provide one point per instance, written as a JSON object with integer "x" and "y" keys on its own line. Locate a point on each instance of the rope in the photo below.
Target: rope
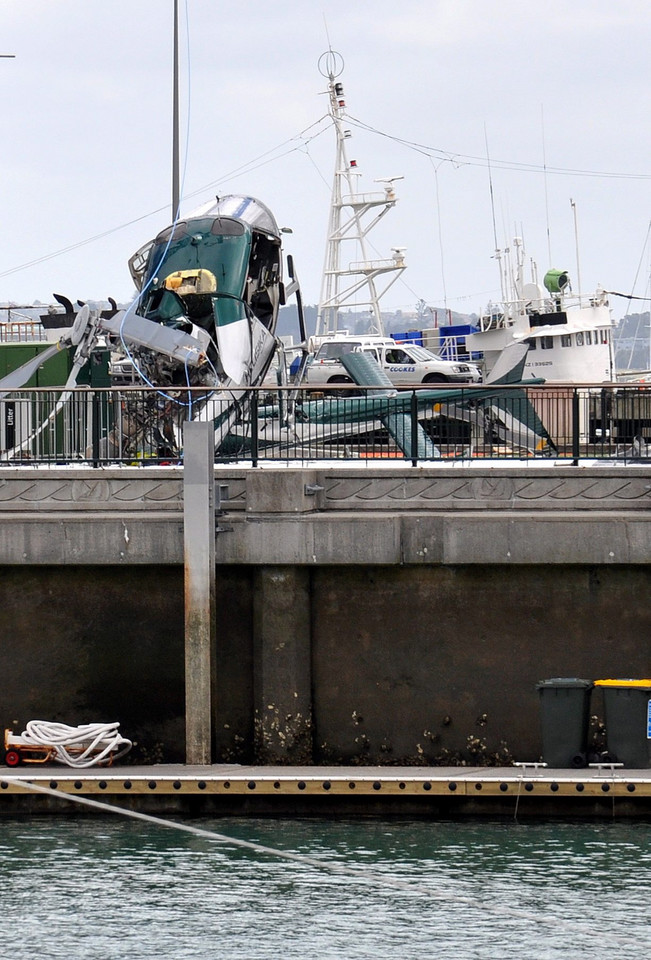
{"x": 626, "y": 296}
{"x": 82, "y": 746}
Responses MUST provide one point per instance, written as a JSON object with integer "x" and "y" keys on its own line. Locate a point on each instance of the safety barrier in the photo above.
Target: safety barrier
{"x": 133, "y": 425}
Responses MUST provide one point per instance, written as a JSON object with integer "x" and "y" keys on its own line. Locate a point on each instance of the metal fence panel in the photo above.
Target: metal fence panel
{"x": 134, "y": 425}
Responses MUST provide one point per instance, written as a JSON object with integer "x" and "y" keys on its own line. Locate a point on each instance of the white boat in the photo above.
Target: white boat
{"x": 570, "y": 336}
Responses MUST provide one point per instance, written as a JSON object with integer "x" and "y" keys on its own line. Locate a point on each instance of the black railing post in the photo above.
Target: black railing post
{"x": 414, "y": 429}
{"x": 254, "y": 428}
{"x": 604, "y": 417}
{"x": 576, "y": 427}
{"x": 95, "y": 427}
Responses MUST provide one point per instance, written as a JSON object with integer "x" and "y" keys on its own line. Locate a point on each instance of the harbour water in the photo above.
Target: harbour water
{"x": 107, "y": 888}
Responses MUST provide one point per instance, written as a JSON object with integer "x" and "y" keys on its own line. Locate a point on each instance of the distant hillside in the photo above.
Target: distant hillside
{"x": 632, "y": 335}
{"x": 358, "y": 322}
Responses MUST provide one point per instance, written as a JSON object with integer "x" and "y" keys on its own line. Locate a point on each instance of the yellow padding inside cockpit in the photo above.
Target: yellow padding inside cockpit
{"x": 185, "y": 282}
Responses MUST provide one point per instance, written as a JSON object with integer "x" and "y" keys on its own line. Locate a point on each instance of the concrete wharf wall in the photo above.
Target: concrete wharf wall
{"x": 363, "y": 615}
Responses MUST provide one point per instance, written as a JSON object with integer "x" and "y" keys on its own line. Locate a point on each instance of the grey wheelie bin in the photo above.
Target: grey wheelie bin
{"x": 565, "y": 718}
{"x": 627, "y": 715}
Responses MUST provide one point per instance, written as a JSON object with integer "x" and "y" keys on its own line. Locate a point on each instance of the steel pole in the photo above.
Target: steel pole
{"x": 175, "y": 118}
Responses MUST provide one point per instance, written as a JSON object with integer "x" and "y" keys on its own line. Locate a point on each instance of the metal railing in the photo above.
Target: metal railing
{"x": 22, "y": 331}
{"x": 130, "y": 425}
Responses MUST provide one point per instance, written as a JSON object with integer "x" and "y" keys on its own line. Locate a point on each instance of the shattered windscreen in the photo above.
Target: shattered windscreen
{"x": 196, "y": 246}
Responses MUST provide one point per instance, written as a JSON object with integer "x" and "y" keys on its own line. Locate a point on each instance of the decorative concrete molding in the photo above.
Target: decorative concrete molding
{"x": 91, "y": 493}
{"x": 334, "y": 515}
{"x": 507, "y": 491}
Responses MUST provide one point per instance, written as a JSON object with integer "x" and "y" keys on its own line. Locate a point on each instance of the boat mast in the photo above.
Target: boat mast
{"x": 576, "y": 244}
{"x": 352, "y": 217}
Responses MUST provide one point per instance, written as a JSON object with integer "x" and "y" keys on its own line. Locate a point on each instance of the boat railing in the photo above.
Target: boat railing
{"x": 493, "y": 321}
{"x": 137, "y": 426}
{"x": 504, "y": 314}
{"x": 375, "y": 266}
{"x": 576, "y": 301}
{"x": 365, "y": 199}
{"x": 22, "y": 331}
{"x": 449, "y": 347}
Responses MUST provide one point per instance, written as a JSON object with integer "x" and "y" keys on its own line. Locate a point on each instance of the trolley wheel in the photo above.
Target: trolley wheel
{"x": 12, "y": 758}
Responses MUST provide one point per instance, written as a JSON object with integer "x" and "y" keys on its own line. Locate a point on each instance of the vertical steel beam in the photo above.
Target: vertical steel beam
{"x": 199, "y": 559}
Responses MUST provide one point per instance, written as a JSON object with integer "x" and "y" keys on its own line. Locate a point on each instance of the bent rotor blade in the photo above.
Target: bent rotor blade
{"x": 367, "y": 372}
{"x": 522, "y": 420}
{"x": 510, "y": 364}
{"x": 19, "y": 377}
{"x": 400, "y": 428}
{"x": 79, "y": 361}
{"x": 141, "y": 332}
{"x": 66, "y": 393}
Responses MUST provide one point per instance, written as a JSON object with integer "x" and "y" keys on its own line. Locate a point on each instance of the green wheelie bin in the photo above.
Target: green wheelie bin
{"x": 565, "y": 719}
{"x": 627, "y": 715}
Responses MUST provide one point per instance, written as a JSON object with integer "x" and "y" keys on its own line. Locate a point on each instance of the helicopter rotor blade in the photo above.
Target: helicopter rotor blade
{"x": 19, "y": 377}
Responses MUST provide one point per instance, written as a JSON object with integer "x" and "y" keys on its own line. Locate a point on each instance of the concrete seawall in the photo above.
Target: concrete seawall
{"x": 364, "y": 615}
{"x": 335, "y": 514}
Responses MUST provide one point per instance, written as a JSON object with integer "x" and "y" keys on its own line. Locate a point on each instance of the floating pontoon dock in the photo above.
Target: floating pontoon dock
{"x": 231, "y": 789}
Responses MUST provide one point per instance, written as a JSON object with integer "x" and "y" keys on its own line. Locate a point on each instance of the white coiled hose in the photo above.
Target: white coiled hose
{"x": 82, "y": 746}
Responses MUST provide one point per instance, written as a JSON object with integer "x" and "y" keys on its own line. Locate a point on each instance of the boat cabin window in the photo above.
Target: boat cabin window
{"x": 546, "y": 343}
{"x": 579, "y": 339}
{"x": 532, "y": 344}
{"x": 588, "y": 337}
{"x": 566, "y": 340}
{"x": 605, "y": 336}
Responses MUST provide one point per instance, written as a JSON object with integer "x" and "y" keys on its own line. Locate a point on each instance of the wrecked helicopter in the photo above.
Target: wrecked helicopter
{"x": 209, "y": 290}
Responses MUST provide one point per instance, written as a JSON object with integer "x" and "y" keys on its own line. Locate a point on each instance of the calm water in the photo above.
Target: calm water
{"x": 112, "y": 888}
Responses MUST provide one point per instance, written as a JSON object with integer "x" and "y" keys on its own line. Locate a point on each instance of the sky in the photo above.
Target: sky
{"x": 505, "y": 118}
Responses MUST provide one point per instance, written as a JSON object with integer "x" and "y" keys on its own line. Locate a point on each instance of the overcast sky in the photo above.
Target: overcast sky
{"x": 556, "y": 86}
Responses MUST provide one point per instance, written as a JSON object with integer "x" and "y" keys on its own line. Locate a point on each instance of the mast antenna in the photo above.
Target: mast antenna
{"x": 352, "y": 216}
{"x": 544, "y": 152}
{"x": 576, "y": 243}
{"x": 498, "y": 252}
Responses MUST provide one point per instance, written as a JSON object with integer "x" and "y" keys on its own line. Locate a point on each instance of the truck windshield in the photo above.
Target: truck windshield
{"x": 420, "y": 353}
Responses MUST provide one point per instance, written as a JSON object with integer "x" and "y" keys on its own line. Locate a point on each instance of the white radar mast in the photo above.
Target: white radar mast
{"x": 352, "y": 216}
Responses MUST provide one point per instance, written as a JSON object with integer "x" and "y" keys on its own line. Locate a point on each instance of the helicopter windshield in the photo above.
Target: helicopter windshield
{"x": 217, "y": 245}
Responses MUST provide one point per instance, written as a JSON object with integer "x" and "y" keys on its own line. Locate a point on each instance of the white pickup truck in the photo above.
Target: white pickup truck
{"x": 406, "y": 364}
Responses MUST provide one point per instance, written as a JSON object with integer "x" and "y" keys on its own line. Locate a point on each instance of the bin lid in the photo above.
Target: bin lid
{"x": 622, "y": 683}
{"x": 563, "y": 682}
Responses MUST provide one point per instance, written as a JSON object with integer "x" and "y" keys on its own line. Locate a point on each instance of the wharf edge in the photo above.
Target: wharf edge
{"x": 432, "y": 792}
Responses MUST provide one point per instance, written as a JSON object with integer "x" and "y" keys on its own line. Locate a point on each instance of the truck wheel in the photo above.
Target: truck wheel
{"x": 435, "y": 378}
{"x": 342, "y": 393}
{"x": 12, "y": 758}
